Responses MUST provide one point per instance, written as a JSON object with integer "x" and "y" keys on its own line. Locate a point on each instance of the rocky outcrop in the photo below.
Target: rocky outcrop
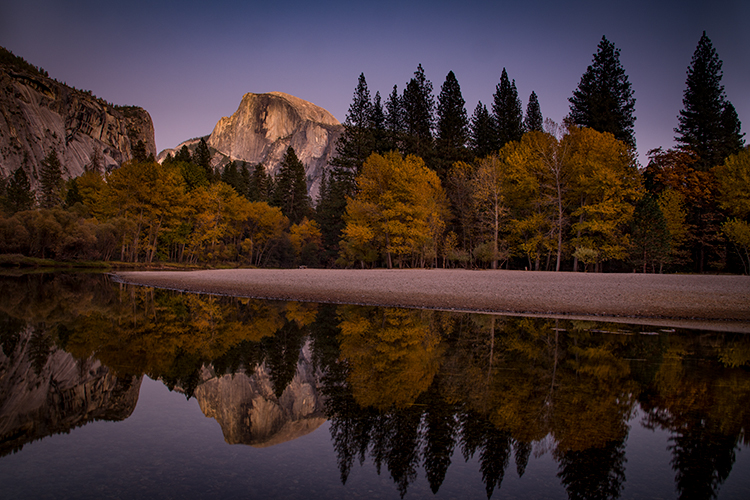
{"x": 248, "y": 411}
{"x": 38, "y": 114}
{"x": 45, "y": 392}
{"x": 265, "y": 125}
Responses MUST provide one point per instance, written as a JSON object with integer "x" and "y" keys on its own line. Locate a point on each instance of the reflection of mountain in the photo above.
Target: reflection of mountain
{"x": 249, "y": 412}
{"x": 45, "y": 391}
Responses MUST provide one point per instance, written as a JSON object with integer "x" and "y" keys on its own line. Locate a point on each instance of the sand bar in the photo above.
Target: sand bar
{"x": 692, "y": 301}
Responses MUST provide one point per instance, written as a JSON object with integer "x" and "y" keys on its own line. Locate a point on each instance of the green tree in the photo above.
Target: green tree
{"x": 533, "y": 121}
{"x": 358, "y": 140}
{"x": 708, "y": 123}
{"x": 604, "y": 100}
{"x": 481, "y": 132}
{"x": 452, "y": 126}
{"x": 394, "y": 121}
{"x": 649, "y": 234}
{"x": 507, "y": 114}
{"x": 290, "y": 189}
{"x": 19, "y": 196}
{"x": 259, "y": 188}
{"x": 419, "y": 109}
{"x": 202, "y": 158}
{"x": 51, "y": 181}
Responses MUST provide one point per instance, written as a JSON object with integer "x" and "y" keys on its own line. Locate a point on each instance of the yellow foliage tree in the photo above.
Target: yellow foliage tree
{"x": 605, "y": 185}
{"x": 399, "y": 210}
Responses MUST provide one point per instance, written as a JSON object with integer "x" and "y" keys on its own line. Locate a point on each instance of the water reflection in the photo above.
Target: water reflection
{"x": 405, "y": 390}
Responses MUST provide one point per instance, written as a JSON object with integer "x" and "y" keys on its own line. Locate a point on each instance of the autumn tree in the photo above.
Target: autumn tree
{"x": 606, "y": 186}
{"x": 604, "y": 100}
{"x": 507, "y": 114}
{"x": 489, "y": 200}
{"x": 733, "y": 179}
{"x": 150, "y": 195}
{"x": 399, "y": 211}
{"x": 290, "y": 188}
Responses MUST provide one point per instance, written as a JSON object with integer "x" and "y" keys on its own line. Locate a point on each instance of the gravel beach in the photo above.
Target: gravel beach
{"x": 693, "y": 301}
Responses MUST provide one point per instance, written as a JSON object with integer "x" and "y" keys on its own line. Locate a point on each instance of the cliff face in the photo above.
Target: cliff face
{"x": 265, "y": 125}
{"x": 248, "y": 411}
{"x": 38, "y": 114}
{"x": 54, "y": 393}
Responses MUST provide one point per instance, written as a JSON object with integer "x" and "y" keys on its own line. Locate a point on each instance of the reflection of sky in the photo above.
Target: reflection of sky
{"x": 188, "y": 63}
{"x": 168, "y": 448}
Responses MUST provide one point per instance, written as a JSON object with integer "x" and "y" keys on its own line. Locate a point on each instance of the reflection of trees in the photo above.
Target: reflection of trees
{"x": 393, "y": 354}
{"x": 407, "y": 389}
{"x": 705, "y": 410}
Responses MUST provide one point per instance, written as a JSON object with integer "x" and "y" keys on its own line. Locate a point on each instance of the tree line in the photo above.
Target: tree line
{"x": 417, "y": 182}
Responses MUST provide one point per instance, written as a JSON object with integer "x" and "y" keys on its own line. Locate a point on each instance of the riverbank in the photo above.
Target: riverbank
{"x": 691, "y": 301}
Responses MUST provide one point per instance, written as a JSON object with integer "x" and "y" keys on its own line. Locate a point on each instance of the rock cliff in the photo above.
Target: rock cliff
{"x": 265, "y": 125}
{"x": 249, "y": 412}
{"x": 38, "y": 114}
{"x": 41, "y": 396}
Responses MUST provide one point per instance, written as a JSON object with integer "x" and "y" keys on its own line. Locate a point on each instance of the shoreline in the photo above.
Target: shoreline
{"x": 707, "y": 302}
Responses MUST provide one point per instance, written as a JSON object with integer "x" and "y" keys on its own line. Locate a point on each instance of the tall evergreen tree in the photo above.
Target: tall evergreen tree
{"x": 378, "y": 125}
{"x": 18, "y": 192}
{"x": 394, "y": 121}
{"x": 533, "y": 121}
{"x": 202, "y": 158}
{"x": 358, "y": 141}
{"x": 259, "y": 186}
{"x": 183, "y": 155}
{"x": 51, "y": 181}
{"x": 507, "y": 113}
{"x": 604, "y": 100}
{"x": 452, "y": 126}
{"x": 708, "y": 123}
{"x": 290, "y": 189}
{"x": 419, "y": 108}
{"x": 481, "y": 132}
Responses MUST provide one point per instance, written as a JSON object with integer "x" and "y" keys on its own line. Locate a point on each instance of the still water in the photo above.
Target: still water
{"x": 110, "y": 391}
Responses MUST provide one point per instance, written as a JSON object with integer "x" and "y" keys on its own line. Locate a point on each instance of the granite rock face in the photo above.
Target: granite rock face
{"x": 262, "y": 129}
{"x": 248, "y": 411}
{"x": 38, "y": 114}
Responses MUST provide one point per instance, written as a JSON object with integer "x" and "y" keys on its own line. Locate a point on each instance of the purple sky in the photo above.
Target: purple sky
{"x": 189, "y": 63}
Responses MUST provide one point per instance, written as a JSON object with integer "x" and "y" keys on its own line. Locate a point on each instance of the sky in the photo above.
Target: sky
{"x": 188, "y": 63}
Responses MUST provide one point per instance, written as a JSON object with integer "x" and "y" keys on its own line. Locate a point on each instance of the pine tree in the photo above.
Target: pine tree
{"x": 202, "y": 158}
{"x": 394, "y": 121}
{"x": 259, "y": 187}
{"x": 481, "y": 132}
{"x": 290, "y": 190}
{"x": 418, "y": 107}
{"x": 604, "y": 100}
{"x": 708, "y": 123}
{"x": 51, "y": 181}
{"x": 378, "y": 126}
{"x": 18, "y": 192}
{"x": 452, "y": 126}
{"x": 507, "y": 113}
{"x": 533, "y": 121}
{"x": 358, "y": 140}
{"x": 183, "y": 155}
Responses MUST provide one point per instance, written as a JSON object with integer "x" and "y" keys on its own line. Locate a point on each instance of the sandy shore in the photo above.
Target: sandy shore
{"x": 707, "y": 302}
